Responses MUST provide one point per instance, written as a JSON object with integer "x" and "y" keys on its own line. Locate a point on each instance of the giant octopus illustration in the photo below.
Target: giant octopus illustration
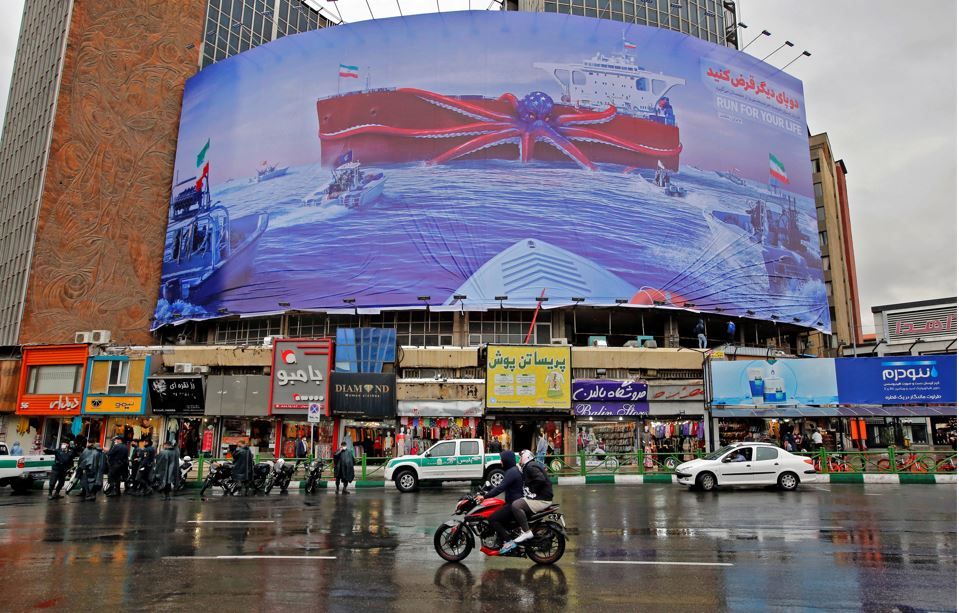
{"x": 410, "y": 125}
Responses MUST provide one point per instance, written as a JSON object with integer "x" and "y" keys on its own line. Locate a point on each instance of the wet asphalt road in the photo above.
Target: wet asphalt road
{"x": 842, "y": 547}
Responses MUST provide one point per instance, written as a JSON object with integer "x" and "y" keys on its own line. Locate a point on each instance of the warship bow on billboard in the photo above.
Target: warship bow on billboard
{"x": 488, "y": 154}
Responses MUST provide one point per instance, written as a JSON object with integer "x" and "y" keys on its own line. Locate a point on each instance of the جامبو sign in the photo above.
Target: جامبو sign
{"x": 527, "y": 377}
{"x": 610, "y": 398}
{"x": 301, "y": 374}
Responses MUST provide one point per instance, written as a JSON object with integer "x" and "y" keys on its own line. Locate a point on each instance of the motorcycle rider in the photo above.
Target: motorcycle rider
{"x": 116, "y": 466}
{"x": 512, "y": 488}
{"x": 539, "y": 496}
{"x": 63, "y": 460}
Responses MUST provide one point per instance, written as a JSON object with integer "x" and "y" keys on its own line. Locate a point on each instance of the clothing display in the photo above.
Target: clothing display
{"x": 423, "y": 432}
{"x": 367, "y": 438}
{"x": 611, "y": 437}
{"x": 674, "y": 436}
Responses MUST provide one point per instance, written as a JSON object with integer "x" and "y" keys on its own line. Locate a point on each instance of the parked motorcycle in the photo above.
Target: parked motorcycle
{"x": 281, "y": 476}
{"x": 186, "y": 465}
{"x": 314, "y": 474}
{"x": 262, "y": 478}
{"x": 456, "y": 538}
{"x": 221, "y": 475}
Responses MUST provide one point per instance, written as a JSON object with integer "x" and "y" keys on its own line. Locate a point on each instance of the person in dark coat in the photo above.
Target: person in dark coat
{"x": 91, "y": 471}
{"x": 148, "y": 456}
{"x": 168, "y": 470}
{"x": 243, "y": 466}
{"x": 62, "y": 462}
{"x": 343, "y": 467}
{"x": 302, "y": 448}
{"x": 512, "y": 489}
{"x": 116, "y": 466}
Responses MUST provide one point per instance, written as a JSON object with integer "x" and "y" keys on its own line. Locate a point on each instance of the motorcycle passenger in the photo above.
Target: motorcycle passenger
{"x": 539, "y": 496}
{"x": 63, "y": 460}
{"x": 116, "y": 466}
{"x": 512, "y": 488}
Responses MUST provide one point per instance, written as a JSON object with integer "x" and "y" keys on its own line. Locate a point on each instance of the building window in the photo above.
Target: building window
{"x": 829, "y": 288}
{"x": 417, "y": 328}
{"x": 815, "y": 165}
{"x": 832, "y": 315}
{"x": 821, "y": 213}
{"x": 320, "y": 326}
{"x": 54, "y": 379}
{"x": 508, "y": 327}
{"x": 246, "y": 331}
{"x": 119, "y": 376}
{"x": 817, "y": 190}
{"x": 825, "y": 262}
{"x": 823, "y": 239}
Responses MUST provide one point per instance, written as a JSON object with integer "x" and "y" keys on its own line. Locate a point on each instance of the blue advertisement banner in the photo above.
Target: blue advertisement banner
{"x": 609, "y": 398}
{"x": 774, "y": 383}
{"x": 929, "y": 379}
{"x": 490, "y": 155}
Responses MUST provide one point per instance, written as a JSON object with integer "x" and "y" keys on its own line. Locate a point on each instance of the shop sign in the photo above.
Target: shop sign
{"x": 363, "y": 395}
{"x": 899, "y": 380}
{"x": 301, "y": 375}
{"x": 666, "y": 393}
{"x": 439, "y": 408}
{"x": 113, "y": 405}
{"x": 51, "y": 380}
{"x": 601, "y": 397}
{"x": 177, "y": 395}
{"x": 928, "y": 379}
{"x": 528, "y": 377}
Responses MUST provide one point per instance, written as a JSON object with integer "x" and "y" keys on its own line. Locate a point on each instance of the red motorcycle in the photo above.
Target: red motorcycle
{"x": 456, "y": 538}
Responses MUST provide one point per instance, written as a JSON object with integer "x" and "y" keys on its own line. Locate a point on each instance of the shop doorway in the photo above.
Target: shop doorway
{"x": 523, "y": 432}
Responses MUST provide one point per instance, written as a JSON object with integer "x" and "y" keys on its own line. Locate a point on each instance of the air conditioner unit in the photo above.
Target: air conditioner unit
{"x": 597, "y": 341}
{"x": 100, "y": 337}
{"x": 268, "y": 340}
{"x": 631, "y": 344}
{"x": 205, "y": 370}
{"x": 649, "y": 344}
{"x": 182, "y": 368}
{"x": 84, "y": 336}
{"x": 558, "y": 341}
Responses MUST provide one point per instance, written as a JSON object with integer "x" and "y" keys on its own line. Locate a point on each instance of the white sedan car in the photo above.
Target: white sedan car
{"x": 746, "y": 464}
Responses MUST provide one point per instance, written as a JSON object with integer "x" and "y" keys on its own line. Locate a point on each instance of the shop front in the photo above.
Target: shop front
{"x": 239, "y": 405}
{"x": 116, "y": 392}
{"x": 529, "y": 397}
{"x": 364, "y": 407}
{"x": 422, "y": 423}
{"x": 301, "y": 380}
{"x": 609, "y": 418}
{"x": 180, "y": 400}
{"x": 50, "y": 395}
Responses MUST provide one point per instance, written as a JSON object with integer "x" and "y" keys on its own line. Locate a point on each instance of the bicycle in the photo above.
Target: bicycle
{"x": 834, "y": 464}
{"x": 911, "y": 462}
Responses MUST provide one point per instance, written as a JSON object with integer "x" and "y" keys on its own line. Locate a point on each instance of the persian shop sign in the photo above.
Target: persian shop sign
{"x": 301, "y": 374}
{"x": 177, "y": 395}
{"x": 115, "y": 405}
{"x": 527, "y": 377}
{"x": 613, "y": 398}
{"x": 701, "y": 146}
{"x": 51, "y": 380}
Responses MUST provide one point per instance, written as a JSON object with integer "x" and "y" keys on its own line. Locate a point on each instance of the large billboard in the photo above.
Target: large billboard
{"x": 497, "y": 156}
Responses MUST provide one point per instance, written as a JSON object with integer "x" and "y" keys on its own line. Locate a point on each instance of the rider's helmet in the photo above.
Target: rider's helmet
{"x": 525, "y": 456}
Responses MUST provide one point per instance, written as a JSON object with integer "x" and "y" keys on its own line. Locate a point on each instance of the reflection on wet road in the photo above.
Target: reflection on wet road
{"x": 659, "y": 547}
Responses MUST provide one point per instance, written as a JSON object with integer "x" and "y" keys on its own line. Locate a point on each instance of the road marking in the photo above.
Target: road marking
{"x": 653, "y": 563}
{"x": 232, "y": 521}
{"x": 249, "y": 557}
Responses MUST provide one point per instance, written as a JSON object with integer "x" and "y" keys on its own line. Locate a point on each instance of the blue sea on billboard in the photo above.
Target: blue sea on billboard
{"x": 491, "y": 194}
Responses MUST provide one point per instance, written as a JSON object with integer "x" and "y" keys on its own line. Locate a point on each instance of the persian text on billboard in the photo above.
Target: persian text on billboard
{"x": 525, "y": 377}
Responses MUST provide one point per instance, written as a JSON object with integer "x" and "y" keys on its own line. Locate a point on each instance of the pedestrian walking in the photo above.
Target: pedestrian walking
{"x": 243, "y": 467}
{"x": 91, "y": 471}
{"x": 343, "y": 467}
{"x": 148, "y": 456}
{"x": 302, "y": 448}
{"x": 16, "y": 449}
{"x": 117, "y": 466}
{"x": 541, "y": 448}
{"x": 168, "y": 470}
{"x": 700, "y": 331}
{"x": 62, "y": 462}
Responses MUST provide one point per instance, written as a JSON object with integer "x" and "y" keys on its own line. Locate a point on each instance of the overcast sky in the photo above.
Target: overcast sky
{"x": 881, "y": 81}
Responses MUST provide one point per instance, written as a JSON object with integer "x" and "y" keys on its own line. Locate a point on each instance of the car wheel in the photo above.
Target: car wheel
{"x": 706, "y": 481}
{"x": 788, "y": 481}
{"x": 495, "y": 477}
{"x": 406, "y": 481}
